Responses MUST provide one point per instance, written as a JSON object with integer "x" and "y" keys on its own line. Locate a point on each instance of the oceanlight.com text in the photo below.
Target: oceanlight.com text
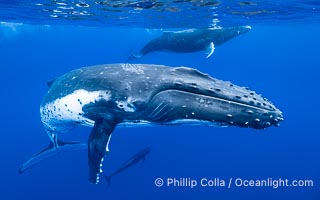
{"x": 232, "y": 182}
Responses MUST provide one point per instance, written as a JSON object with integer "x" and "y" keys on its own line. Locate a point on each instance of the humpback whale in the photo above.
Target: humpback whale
{"x": 106, "y": 96}
{"x": 191, "y": 40}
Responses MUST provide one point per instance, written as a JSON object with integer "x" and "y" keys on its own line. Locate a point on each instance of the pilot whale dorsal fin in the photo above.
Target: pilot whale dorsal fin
{"x": 55, "y": 147}
{"x": 98, "y": 147}
{"x": 210, "y": 49}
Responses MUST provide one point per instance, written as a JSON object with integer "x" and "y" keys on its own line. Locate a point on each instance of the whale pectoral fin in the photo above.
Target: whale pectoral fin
{"x": 210, "y": 49}
{"x": 98, "y": 147}
{"x": 55, "y": 147}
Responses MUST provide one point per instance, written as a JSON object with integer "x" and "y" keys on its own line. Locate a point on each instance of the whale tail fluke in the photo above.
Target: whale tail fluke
{"x": 108, "y": 179}
{"x": 55, "y": 147}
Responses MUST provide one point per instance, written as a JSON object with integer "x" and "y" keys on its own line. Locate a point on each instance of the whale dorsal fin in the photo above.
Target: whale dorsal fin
{"x": 49, "y": 83}
{"x": 210, "y": 49}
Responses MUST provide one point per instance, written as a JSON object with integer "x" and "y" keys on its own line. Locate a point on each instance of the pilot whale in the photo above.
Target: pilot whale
{"x": 105, "y": 96}
{"x": 191, "y": 40}
{"x": 139, "y": 156}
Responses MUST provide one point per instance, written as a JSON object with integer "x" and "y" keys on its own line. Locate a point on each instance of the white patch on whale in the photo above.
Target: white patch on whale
{"x": 58, "y": 114}
{"x": 107, "y": 148}
{"x": 210, "y": 49}
{"x": 135, "y": 68}
{"x": 182, "y": 31}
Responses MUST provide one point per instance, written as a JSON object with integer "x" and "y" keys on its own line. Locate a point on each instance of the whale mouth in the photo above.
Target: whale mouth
{"x": 263, "y": 116}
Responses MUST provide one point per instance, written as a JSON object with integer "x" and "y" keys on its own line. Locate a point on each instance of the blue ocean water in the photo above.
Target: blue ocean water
{"x": 278, "y": 58}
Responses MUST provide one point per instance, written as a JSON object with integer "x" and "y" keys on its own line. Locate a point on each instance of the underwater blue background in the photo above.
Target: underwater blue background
{"x": 279, "y": 61}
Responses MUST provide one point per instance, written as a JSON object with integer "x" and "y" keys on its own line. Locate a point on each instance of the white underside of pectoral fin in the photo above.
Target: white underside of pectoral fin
{"x": 210, "y": 49}
{"x": 107, "y": 146}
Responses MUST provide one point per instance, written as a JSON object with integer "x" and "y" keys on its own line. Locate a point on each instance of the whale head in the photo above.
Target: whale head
{"x": 221, "y": 35}
{"x": 197, "y": 97}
